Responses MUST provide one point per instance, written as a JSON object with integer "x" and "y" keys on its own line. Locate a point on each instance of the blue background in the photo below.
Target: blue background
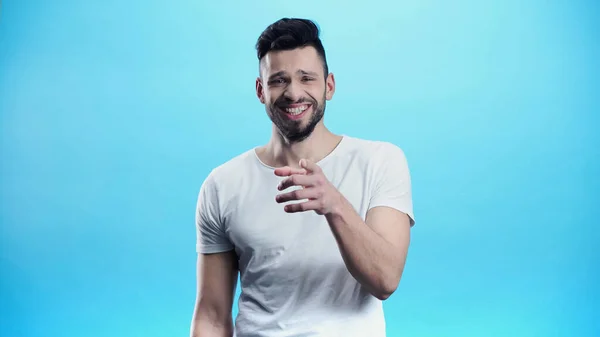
{"x": 113, "y": 113}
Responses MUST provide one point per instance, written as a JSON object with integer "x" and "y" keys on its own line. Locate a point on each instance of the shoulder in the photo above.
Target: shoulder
{"x": 232, "y": 171}
{"x": 234, "y": 166}
{"x": 222, "y": 184}
{"x": 374, "y": 151}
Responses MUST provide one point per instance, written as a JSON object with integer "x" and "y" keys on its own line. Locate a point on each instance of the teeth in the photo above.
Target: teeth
{"x": 296, "y": 111}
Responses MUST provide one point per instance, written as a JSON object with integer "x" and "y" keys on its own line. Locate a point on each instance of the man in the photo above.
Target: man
{"x": 317, "y": 224}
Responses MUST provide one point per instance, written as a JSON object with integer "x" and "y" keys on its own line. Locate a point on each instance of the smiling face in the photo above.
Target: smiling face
{"x": 294, "y": 89}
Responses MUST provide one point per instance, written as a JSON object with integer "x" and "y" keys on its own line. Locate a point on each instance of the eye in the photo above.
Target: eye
{"x": 277, "y": 81}
{"x": 307, "y": 78}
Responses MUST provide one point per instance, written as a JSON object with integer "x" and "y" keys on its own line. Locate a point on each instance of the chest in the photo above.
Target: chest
{"x": 264, "y": 234}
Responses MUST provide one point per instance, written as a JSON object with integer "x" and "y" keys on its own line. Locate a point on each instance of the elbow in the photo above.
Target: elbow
{"x": 385, "y": 293}
{"x": 382, "y": 296}
{"x": 386, "y": 289}
{"x": 210, "y": 321}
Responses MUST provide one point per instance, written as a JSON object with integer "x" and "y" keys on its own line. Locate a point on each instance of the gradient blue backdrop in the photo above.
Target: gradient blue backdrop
{"x": 113, "y": 112}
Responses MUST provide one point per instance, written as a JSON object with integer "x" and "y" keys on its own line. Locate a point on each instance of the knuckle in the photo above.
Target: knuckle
{"x": 319, "y": 193}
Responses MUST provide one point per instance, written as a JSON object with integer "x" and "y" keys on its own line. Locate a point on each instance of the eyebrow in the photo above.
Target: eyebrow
{"x": 277, "y": 74}
{"x": 301, "y": 72}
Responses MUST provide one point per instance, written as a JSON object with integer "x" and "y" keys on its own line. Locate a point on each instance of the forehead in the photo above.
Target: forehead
{"x": 290, "y": 61}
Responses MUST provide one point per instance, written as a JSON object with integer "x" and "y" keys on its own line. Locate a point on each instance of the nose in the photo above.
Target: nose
{"x": 293, "y": 92}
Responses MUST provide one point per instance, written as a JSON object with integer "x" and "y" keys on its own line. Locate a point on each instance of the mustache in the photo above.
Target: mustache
{"x": 285, "y": 102}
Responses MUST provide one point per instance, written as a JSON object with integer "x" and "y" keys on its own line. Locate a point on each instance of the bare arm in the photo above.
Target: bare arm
{"x": 216, "y": 281}
{"x": 374, "y": 250}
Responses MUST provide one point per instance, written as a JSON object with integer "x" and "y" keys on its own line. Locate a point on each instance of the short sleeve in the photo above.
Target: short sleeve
{"x": 210, "y": 234}
{"x": 391, "y": 181}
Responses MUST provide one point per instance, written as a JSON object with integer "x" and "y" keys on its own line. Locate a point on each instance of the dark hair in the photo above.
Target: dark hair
{"x": 288, "y": 34}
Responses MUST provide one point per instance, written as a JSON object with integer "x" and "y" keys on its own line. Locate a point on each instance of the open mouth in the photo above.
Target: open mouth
{"x": 295, "y": 111}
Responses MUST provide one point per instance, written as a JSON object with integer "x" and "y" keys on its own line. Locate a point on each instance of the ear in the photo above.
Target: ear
{"x": 329, "y": 86}
{"x": 260, "y": 93}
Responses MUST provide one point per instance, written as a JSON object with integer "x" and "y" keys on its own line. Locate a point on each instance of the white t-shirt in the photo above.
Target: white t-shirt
{"x": 293, "y": 279}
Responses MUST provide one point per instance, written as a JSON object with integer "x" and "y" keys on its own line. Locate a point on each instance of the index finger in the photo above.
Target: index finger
{"x": 288, "y": 171}
{"x": 310, "y": 166}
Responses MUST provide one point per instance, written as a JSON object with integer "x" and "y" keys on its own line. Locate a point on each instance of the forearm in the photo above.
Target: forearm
{"x": 373, "y": 261}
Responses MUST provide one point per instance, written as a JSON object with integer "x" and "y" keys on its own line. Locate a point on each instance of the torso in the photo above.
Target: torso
{"x": 294, "y": 281}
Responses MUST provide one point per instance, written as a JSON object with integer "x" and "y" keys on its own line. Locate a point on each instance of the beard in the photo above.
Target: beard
{"x": 293, "y": 130}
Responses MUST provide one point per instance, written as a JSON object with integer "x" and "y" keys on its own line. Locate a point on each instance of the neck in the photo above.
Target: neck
{"x": 280, "y": 152}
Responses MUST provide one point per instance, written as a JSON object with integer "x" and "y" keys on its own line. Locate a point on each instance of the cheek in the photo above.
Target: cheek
{"x": 317, "y": 91}
{"x": 272, "y": 95}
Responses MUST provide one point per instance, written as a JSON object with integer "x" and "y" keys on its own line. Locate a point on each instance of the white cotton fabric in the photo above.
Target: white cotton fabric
{"x": 293, "y": 279}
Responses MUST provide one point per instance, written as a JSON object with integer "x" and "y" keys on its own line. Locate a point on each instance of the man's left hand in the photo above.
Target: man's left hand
{"x": 322, "y": 197}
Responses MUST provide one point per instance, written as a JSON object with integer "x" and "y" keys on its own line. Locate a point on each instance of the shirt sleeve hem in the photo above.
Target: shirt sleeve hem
{"x": 212, "y": 249}
{"x": 403, "y": 209}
